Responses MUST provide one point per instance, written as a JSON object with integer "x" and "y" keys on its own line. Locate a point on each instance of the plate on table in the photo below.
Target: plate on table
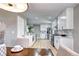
{"x": 17, "y": 48}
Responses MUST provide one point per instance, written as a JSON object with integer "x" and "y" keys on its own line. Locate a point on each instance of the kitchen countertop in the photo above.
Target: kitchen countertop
{"x": 63, "y": 35}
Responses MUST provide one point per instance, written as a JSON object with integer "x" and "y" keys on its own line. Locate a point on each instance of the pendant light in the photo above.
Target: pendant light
{"x": 14, "y": 7}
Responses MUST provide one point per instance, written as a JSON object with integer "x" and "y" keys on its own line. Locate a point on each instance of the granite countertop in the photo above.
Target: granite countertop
{"x": 60, "y": 35}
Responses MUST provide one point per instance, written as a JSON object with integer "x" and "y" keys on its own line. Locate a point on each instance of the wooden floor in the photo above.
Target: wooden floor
{"x": 43, "y": 43}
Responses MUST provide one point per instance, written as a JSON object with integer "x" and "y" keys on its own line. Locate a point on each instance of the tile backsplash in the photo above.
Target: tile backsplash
{"x": 66, "y": 31}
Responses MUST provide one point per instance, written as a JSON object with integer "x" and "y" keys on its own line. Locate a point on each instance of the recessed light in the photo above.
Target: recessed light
{"x": 10, "y": 4}
{"x": 36, "y": 18}
{"x": 63, "y": 17}
{"x": 49, "y": 17}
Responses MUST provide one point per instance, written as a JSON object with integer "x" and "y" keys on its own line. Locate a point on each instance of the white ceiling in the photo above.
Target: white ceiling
{"x": 45, "y": 12}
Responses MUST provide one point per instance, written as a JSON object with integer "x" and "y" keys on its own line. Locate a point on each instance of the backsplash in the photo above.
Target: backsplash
{"x": 66, "y": 31}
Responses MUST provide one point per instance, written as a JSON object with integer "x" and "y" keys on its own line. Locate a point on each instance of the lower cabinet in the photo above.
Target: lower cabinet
{"x": 56, "y": 41}
{"x": 66, "y": 41}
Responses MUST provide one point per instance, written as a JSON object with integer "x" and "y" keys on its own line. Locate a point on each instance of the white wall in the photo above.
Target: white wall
{"x": 76, "y": 29}
{"x": 11, "y": 27}
{"x": 11, "y": 31}
{"x": 36, "y": 30}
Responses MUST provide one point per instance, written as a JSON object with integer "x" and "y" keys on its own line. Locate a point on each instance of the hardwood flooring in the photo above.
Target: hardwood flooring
{"x": 43, "y": 43}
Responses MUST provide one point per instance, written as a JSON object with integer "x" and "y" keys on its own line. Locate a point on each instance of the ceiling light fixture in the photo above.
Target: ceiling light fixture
{"x": 14, "y": 7}
{"x": 49, "y": 17}
{"x": 36, "y": 18}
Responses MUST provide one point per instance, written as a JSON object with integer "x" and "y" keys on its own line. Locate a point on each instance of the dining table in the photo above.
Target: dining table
{"x": 30, "y": 52}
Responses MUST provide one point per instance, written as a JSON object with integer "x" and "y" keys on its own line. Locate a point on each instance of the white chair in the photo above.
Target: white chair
{"x": 23, "y": 42}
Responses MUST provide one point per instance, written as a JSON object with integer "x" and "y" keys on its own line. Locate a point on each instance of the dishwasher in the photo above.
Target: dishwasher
{"x": 56, "y": 41}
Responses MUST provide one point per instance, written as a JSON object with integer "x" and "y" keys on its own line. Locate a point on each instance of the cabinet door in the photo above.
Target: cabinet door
{"x": 64, "y": 24}
{"x": 67, "y": 41}
{"x": 56, "y": 41}
{"x": 62, "y": 20}
{"x": 69, "y": 15}
{"x": 65, "y": 20}
{"x": 54, "y": 23}
{"x": 68, "y": 20}
{"x": 60, "y": 23}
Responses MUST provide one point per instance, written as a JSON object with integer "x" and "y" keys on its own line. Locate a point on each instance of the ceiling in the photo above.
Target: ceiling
{"x": 45, "y": 12}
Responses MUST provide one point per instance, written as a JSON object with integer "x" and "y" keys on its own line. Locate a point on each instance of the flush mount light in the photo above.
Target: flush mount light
{"x": 49, "y": 17}
{"x": 14, "y": 7}
{"x": 36, "y": 18}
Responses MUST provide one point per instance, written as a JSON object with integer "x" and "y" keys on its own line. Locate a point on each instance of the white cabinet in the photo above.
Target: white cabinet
{"x": 65, "y": 20}
{"x": 54, "y": 23}
{"x": 66, "y": 41}
{"x": 69, "y": 21}
{"x": 56, "y": 41}
{"x": 60, "y": 23}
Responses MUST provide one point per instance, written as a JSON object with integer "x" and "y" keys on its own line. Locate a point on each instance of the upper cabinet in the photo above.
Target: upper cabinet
{"x": 69, "y": 20}
{"x": 54, "y": 23}
{"x": 65, "y": 20}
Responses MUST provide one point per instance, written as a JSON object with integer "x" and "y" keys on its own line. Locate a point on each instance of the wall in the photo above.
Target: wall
{"x": 76, "y": 29}
{"x": 11, "y": 27}
{"x": 11, "y": 31}
{"x": 36, "y": 30}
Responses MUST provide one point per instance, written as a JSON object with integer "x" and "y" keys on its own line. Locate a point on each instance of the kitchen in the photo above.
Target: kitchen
{"x": 27, "y": 28}
{"x": 62, "y": 29}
